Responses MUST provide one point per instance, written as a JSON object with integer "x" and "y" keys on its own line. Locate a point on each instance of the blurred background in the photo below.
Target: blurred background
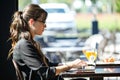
{"x": 106, "y": 12}
{"x": 75, "y": 26}
{"x": 79, "y": 23}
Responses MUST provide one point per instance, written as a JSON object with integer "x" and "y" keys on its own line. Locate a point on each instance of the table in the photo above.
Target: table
{"x": 101, "y": 71}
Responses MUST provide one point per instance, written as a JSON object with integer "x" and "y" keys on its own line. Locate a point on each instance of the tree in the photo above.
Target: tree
{"x": 93, "y": 1}
{"x": 117, "y": 5}
{"x": 23, "y": 3}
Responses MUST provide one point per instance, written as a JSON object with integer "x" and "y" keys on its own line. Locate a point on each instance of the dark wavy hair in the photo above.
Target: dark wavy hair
{"x": 19, "y": 27}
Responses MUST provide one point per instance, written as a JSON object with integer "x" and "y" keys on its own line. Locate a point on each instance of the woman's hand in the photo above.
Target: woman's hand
{"x": 76, "y": 63}
{"x": 73, "y": 64}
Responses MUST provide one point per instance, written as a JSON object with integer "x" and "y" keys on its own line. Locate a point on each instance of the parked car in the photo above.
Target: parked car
{"x": 60, "y": 17}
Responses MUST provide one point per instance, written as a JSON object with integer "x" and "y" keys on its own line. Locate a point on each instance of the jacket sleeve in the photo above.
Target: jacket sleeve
{"x": 31, "y": 58}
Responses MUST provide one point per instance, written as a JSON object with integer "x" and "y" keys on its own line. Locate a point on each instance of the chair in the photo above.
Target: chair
{"x": 18, "y": 72}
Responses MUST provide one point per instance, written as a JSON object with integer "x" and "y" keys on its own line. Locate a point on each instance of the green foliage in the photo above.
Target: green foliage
{"x": 69, "y": 2}
{"x": 23, "y": 3}
{"x": 117, "y": 5}
{"x": 43, "y": 1}
{"x": 106, "y": 21}
{"x": 93, "y": 1}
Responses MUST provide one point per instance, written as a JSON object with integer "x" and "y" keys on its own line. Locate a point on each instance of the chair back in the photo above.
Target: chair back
{"x": 18, "y": 72}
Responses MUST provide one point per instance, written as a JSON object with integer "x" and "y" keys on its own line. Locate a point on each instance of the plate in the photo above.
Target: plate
{"x": 101, "y": 63}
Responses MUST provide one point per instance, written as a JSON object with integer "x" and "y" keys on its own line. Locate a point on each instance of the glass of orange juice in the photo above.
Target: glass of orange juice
{"x": 91, "y": 56}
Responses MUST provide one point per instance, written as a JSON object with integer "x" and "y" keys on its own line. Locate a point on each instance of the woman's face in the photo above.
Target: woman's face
{"x": 37, "y": 26}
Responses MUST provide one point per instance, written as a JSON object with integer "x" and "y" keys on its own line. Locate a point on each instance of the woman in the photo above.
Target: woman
{"x": 26, "y": 52}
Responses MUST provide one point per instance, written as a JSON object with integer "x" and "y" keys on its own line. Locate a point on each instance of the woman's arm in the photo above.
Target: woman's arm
{"x": 67, "y": 66}
{"x": 32, "y": 59}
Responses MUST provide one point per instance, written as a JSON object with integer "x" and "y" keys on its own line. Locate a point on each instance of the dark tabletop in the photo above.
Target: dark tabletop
{"x": 105, "y": 70}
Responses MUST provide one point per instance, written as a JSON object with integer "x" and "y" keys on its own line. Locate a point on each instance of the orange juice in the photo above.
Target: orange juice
{"x": 90, "y": 55}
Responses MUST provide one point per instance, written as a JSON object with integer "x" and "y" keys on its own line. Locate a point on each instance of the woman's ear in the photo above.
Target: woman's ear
{"x": 31, "y": 22}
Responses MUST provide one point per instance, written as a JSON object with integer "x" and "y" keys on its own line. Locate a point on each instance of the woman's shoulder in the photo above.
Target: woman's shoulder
{"x": 23, "y": 42}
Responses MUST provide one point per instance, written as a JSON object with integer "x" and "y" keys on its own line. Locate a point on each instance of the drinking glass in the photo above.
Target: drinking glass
{"x": 91, "y": 56}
